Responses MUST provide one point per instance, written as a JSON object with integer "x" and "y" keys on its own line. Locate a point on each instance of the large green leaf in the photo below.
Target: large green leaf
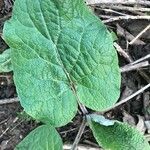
{"x": 42, "y": 138}
{"x": 118, "y": 136}
{"x": 57, "y": 46}
{"x": 5, "y": 61}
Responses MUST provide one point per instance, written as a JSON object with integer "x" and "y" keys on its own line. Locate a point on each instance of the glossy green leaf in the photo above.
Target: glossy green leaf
{"x": 42, "y": 138}
{"x": 119, "y": 136}
{"x": 57, "y": 46}
{"x": 5, "y": 61}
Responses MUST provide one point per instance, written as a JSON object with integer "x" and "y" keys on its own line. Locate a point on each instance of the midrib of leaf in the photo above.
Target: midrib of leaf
{"x": 72, "y": 85}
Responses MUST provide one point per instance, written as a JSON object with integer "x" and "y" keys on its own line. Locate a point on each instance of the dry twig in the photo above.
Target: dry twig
{"x": 130, "y": 97}
{"x": 128, "y": 2}
{"x": 128, "y": 8}
{"x": 141, "y": 59}
{"x": 128, "y": 35}
{"x": 80, "y": 147}
{"x": 8, "y": 101}
{"x": 122, "y": 52}
{"x": 131, "y": 67}
{"x": 78, "y": 137}
{"x": 140, "y": 34}
{"x": 127, "y": 17}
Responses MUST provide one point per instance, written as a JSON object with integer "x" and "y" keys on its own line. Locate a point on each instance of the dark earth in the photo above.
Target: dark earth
{"x": 15, "y": 124}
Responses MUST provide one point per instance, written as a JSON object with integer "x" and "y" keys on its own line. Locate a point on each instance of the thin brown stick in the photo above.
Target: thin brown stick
{"x": 140, "y": 34}
{"x": 83, "y": 108}
{"x": 113, "y": 11}
{"x": 80, "y": 147}
{"x": 127, "y": 8}
{"x": 141, "y": 59}
{"x": 122, "y": 52}
{"x": 9, "y": 101}
{"x": 105, "y": 16}
{"x": 8, "y": 128}
{"x": 127, "y": 17}
{"x": 131, "y": 67}
{"x": 122, "y": 32}
{"x": 130, "y": 60}
{"x": 128, "y": 2}
{"x": 80, "y": 132}
{"x": 130, "y": 97}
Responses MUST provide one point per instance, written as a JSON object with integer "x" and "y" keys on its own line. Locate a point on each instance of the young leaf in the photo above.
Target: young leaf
{"x": 100, "y": 119}
{"x": 114, "y": 36}
{"x": 61, "y": 51}
{"x": 5, "y": 61}
{"x": 119, "y": 136}
{"x": 42, "y": 138}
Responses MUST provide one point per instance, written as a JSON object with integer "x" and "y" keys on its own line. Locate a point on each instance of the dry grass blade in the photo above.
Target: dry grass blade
{"x": 131, "y": 67}
{"x": 128, "y": 8}
{"x": 122, "y": 52}
{"x": 80, "y": 147}
{"x": 130, "y": 97}
{"x": 78, "y": 137}
{"x": 9, "y": 101}
{"x": 141, "y": 59}
{"x": 140, "y": 34}
{"x": 122, "y": 32}
{"x": 128, "y": 2}
{"x": 127, "y": 17}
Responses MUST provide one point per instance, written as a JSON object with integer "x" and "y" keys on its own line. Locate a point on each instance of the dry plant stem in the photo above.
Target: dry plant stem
{"x": 131, "y": 67}
{"x": 122, "y": 52}
{"x": 127, "y": 17}
{"x": 140, "y": 34}
{"x": 105, "y": 16}
{"x": 128, "y": 35}
{"x": 141, "y": 59}
{"x": 8, "y": 128}
{"x": 87, "y": 142}
{"x": 80, "y": 147}
{"x": 83, "y": 125}
{"x": 113, "y": 11}
{"x": 78, "y": 137}
{"x": 129, "y": 59}
{"x": 9, "y": 101}
{"x": 130, "y": 97}
{"x": 127, "y": 8}
{"x": 128, "y": 2}
{"x": 83, "y": 108}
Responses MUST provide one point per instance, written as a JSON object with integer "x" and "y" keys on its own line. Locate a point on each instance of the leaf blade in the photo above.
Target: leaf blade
{"x": 44, "y": 137}
{"x": 51, "y": 55}
{"x": 119, "y": 136}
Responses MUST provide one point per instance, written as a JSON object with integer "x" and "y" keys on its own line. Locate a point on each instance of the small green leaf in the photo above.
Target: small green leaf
{"x": 5, "y": 61}
{"x": 100, "y": 119}
{"x": 58, "y": 46}
{"x": 119, "y": 136}
{"x": 114, "y": 36}
{"x": 42, "y": 138}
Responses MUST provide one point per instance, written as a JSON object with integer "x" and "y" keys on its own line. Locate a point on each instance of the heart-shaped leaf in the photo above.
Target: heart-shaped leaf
{"x": 5, "y": 61}
{"x": 61, "y": 51}
{"x": 119, "y": 136}
{"x": 42, "y": 138}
